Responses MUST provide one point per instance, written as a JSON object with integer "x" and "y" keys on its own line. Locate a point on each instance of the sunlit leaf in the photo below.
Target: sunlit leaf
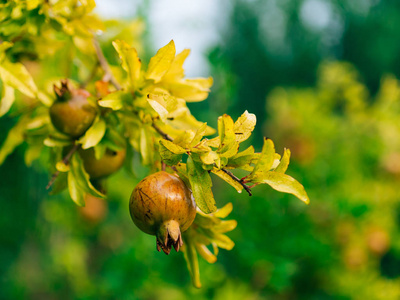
{"x": 146, "y": 147}
{"x": 157, "y": 106}
{"x": 209, "y": 158}
{"x": 225, "y": 226}
{"x": 176, "y": 70}
{"x": 14, "y": 138}
{"x": 244, "y": 126}
{"x": 224, "y": 176}
{"x": 192, "y": 90}
{"x": 190, "y": 255}
{"x": 94, "y": 134}
{"x": 224, "y": 211}
{"x": 57, "y": 141}
{"x": 81, "y": 178}
{"x": 201, "y": 183}
{"x": 228, "y": 145}
{"x": 15, "y": 75}
{"x": 206, "y": 253}
{"x": 284, "y": 163}
{"x": 161, "y": 62}
{"x": 172, "y": 147}
{"x": 77, "y": 195}
{"x": 266, "y": 160}
{"x": 221, "y": 240}
{"x": 199, "y": 135}
{"x": 113, "y": 100}
{"x": 7, "y": 99}
{"x": 130, "y": 61}
{"x": 242, "y": 159}
{"x": 170, "y": 153}
{"x": 284, "y": 183}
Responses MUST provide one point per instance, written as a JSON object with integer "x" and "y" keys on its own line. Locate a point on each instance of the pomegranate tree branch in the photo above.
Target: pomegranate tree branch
{"x": 65, "y": 161}
{"x": 162, "y": 133}
{"x": 246, "y": 188}
{"x": 108, "y": 76}
{"x": 167, "y": 137}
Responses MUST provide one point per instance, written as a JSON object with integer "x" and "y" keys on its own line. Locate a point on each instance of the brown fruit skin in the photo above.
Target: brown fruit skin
{"x": 74, "y": 115}
{"x": 162, "y": 205}
{"x": 108, "y": 164}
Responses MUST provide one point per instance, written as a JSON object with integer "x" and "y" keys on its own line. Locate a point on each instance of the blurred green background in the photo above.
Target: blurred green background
{"x": 321, "y": 76}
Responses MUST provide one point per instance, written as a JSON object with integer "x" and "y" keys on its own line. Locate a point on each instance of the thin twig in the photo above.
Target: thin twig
{"x": 108, "y": 76}
{"x": 66, "y": 162}
{"x": 162, "y": 133}
{"x": 247, "y": 188}
{"x": 167, "y": 137}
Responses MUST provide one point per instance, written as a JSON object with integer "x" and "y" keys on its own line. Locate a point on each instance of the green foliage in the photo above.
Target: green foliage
{"x": 347, "y": 143}
{"x": 139, "y": 109}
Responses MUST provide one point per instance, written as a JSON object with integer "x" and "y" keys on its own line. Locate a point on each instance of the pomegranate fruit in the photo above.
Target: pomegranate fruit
{"x": 162, "y": 205}
{"x": 71, "y": 113}
{"x": 108, "y": 164}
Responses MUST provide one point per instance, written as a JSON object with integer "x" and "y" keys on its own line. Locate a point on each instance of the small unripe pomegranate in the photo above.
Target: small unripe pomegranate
{"x": 71, "y": 113}
{"x": 162, "y": 205}
{"x": 108, "y": 164}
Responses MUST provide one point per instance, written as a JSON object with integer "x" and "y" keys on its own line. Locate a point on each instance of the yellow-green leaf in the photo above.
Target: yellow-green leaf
{"x": 228, "y": 145}
{"x": 172, "y": 147}
{"x": 158, "y": 106}
{"x": 77, "y": 195}
{"x": 265, "y": 161}
{"x": 176, "y": 70}
{"x": 192, "y": 261}
{"x": 206, "y": 253}
{"x": 4, "y": 46}
{"x": 7, "y": 99}
{"x": 224, "y": 176}
{"x": 244, "y": 126}
{"x": 201, "y": 183}
{"x": 209, "y": 158}
{"x": 146, "y": 147}
{"x": 223, "y": 212}
{"x": 113, "y": 100}
{"x": 94, "y": 134}
{"x": 130, "y": 61}
{"x": 221, "y": 240}
{"x": 284, "y": 163}
{"x": 82, "y": 178}
{"x": 225, "y": 226}
{"x": 242, "y": 159}
{"x": 14, "y": 138}
{"x": 192, "y": 90}
{"x": 199, "y": 135}
{"x": 284, "y": 183}
{"x": 170, "y": 153}
{"x": 161, "y": 62}
{"x": 17, "y": 76}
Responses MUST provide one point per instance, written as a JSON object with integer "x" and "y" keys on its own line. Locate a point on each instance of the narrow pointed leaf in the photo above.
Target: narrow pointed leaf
{"x": 7, "y": 99}
{"x": 265, "y": 161}
{"x": 17, "y": 76}
{"x": 284, "y": 163}
{"x": 130, "y": 61}
{"x": 161, "y": 62}
{"x": 94, "y": 134}
{"x": 77, "y": 195}
{"x": 286, "y": 184}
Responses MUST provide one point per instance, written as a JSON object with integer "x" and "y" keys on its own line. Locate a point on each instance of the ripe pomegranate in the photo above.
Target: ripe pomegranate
{"x": 71, "y": 113}
{"x": 162, "y": 205}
